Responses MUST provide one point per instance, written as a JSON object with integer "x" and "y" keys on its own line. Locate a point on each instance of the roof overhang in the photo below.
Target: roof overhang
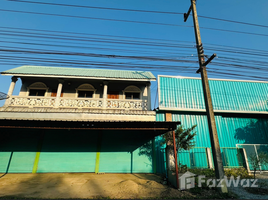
{"x": 152, "y": 127}
{"x": 75, "y": 77}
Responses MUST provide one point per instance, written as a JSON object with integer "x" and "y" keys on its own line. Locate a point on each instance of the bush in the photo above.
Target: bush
{"x": 241, "y": 171}
{"x": 206, "y": 172}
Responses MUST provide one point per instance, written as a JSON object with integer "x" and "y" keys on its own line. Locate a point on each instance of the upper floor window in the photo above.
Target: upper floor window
{"x": 85, "y": 94}
{"x": 132, "y": 92}
{"x": 35, "y": 92}
{"x": 85, "y": 91}
{"x": 132, "y": 95}
{"x": 37, "y": 89}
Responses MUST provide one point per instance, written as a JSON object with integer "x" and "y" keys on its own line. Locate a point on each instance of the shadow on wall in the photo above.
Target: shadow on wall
{"x": 255, "y": 132}
{"x": 155, "y": 152}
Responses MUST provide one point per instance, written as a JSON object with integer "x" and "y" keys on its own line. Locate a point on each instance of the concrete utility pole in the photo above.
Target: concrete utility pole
{"x": 208, "y": 102}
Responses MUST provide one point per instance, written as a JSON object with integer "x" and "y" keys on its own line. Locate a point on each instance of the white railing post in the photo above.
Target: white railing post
{"x": 57, "y": 101}
{"x": 104, "y": 96}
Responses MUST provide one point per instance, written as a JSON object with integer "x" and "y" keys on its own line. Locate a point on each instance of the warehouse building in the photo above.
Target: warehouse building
{"x": 241, "y": 114}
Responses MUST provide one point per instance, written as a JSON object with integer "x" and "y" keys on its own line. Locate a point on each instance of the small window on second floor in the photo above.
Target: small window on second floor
{"x": 37, "y": 92}
{"x": 132, "y": 95}
{"x": 85, "y": 94}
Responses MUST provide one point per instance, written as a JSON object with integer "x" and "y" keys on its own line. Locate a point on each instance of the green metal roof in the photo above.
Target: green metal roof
{"x": 80, "y": 72}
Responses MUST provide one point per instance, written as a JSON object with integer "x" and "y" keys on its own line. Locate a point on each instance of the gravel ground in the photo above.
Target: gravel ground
{"x": 243, "y": 194}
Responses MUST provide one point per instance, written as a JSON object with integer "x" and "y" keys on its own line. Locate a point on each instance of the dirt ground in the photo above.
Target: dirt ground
{"x": 87, "y": 185}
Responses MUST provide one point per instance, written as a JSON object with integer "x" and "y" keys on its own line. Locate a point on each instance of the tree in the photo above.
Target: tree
{"x": 184, "y": 141}
{"x": 258, "y": 161}
{"x": 184, "y": 138}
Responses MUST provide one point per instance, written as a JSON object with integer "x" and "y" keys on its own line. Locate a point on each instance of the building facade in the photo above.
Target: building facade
{"x": 241, "y": 114}
{"x": 78, "y": 120}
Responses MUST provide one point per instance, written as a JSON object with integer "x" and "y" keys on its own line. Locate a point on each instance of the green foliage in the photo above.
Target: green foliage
{"x": 257, "y": 161}
{"x": 205, "y": 172}
{"x": 182, "y": 168}
{"x": 241, "y": 171}
{"x": 184, "y": 138}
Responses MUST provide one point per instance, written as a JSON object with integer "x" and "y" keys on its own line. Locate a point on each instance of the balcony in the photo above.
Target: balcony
{"x": 87, "y": 103}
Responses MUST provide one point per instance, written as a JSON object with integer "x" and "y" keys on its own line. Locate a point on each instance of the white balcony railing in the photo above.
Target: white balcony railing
{"x": 126, "y": 104}
{"x": 80, "y": 103}
{"x": 63, "y": 102}
{"x": 32, "y": 101}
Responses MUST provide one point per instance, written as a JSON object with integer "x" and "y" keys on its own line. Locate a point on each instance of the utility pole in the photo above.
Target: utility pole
{"x": 208, "y": 102}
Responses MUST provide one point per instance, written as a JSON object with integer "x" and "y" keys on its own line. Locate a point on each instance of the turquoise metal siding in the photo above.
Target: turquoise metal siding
{"x": 231, "y": 132}
{"x": 187, "y": 93}
{"x": 125, "y": 152}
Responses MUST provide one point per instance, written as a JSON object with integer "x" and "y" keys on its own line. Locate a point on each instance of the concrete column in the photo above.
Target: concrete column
{"x": 59, "y": 90}
{"x": 12, "y": 86}
{"x": 104, "y": 96}
{"x": 148, "y": 85}
{"x": 170, "y": 158}
{"x": 10, "y": 90}
{"x": 210, "y": 165}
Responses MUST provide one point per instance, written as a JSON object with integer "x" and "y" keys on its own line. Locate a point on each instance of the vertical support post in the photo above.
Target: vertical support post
{"x": 246, "y": 160}
{"x": 208, "y": 102}
{"x": 209, "y": 157}
{"x": 257, "y": 155}
{"x": 104, "y": 96}
{"x": 11, "y": 89}
{"x": 176, "y": 160}
{"x": 59, "y": 90}
{"x": 148, "y": 85}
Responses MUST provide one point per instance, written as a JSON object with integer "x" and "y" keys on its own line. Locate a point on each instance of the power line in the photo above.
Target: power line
{"x": 138, "y": 10}
{"x": 132, "y": 21}
{"x": 95, "y": 18}
{"x": 231, "y": 48}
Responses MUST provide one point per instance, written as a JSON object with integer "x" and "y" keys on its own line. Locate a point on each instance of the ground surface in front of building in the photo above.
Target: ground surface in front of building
{"x": 90, "y": 185}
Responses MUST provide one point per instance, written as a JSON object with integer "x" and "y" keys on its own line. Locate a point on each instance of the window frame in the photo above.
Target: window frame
{"x": 37, "y": 86}
{"x": 85, "y": 87}
{"x": 132, "y": 89}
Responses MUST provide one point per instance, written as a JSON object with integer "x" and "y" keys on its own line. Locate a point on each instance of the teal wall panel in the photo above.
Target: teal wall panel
{"x": 125, "y": 152}
{"x": 22, "y": 162}
{"x": 21, "y": 145}
{"x": 4, "y": 160}
{"x": 66, "y": 162}
{"x": 68, "y": 151}
{"x": 187, "y": 93}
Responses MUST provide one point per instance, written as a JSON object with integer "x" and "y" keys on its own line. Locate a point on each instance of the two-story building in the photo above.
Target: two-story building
{"x": 79, "y": 120}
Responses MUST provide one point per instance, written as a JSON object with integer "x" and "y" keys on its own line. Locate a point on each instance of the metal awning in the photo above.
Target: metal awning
{"x": 152, "y": 127}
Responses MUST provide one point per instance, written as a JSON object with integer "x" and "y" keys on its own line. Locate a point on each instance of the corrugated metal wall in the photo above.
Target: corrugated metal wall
{"x": 187, "y": 93}
{"x": 231, "y": 131}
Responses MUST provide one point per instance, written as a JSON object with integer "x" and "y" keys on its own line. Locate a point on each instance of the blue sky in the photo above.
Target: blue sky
{"x": 239, "y": 10}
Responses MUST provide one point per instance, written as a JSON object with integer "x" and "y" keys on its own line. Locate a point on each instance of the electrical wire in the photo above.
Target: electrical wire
{"x": 138, "y": 10}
